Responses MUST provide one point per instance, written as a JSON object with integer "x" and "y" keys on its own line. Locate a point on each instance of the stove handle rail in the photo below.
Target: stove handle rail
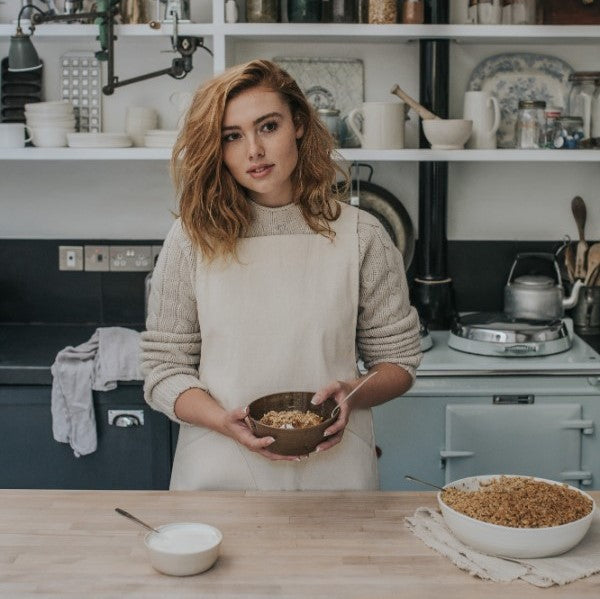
{"x": 586, "y": 426}
{"x": 583, "y": 476}
{"x": 519, "y": 349}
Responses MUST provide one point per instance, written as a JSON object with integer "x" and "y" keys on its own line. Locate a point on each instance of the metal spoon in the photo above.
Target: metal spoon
{"x": 423, "y": 482}
{"x": 336, "y": 410}
{"x": 137, "y": 520}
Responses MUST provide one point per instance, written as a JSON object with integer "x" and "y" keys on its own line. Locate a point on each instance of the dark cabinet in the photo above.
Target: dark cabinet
{"x": 134, "y": 443}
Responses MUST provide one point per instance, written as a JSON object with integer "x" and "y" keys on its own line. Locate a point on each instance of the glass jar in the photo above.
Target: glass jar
{"x": 341, "y": 11}
{"x": 595, "y": 132}
{"x": 413, "y": 12}
{"x": 531, "y": 125}
{"x": 551, "y": 113}
{"x": 568, "y": 132}
{"x": 383, "y": 11}
{"x": 523, "y": 12}
{"x": 583, "y": 86}
{"x": 331, "y": 119}
{"x": 262, "y": 11}
{"x": 304, "y": 11}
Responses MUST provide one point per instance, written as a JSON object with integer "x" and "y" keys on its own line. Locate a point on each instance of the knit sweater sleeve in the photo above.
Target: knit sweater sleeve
{"x": 388, "y": 326}
{"x": 170, "y": 345}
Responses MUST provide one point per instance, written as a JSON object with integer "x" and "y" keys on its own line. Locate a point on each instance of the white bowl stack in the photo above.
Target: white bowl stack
{"x": 49, "y": 122}
{"x": 160, "y": 138}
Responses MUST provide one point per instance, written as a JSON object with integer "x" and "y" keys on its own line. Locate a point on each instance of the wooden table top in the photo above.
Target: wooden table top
{"x": 303, "y": 544}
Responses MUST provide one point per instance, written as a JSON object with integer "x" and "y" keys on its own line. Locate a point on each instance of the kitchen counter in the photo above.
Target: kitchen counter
{"x": 27, "y": 351}
{"x": 309, "y": 544}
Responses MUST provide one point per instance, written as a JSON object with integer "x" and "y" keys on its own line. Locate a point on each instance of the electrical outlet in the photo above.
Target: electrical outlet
{"x": 96, "y": 258}
{"x": 130, "y": 258}
{"x": 70, "y": 257}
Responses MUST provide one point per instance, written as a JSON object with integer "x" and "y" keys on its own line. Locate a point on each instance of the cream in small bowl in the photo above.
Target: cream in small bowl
{"x": 184, "y": 548}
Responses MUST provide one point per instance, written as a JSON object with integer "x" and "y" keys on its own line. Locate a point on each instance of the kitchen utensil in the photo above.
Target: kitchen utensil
{"x": 336, "y": 410}
{"x": 498, "y": 334}
{"x": 483, "y": 109}
{"x": 580, "y": 214}
{"x": 382, "y": 125}
{"x": 418, "y": 480}
{"x": 512, "y": 542}
{"x": 447, "y": 134}
{"x": 418, "y": 108}
{"x": 535, "y": 296}
{"x": 291, "y": 441}
{"x": 515, "y": 76}
{"x": 593, "y": 262}
{"x": 586, "y": 315}
{"x": 570, "y": 261}
{"x": 137, "y": 520}
{"x": 386, "y": 207}
{"x": 81, "y": 84}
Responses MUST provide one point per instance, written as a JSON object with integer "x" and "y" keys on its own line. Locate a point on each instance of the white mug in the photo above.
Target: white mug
{"x": 12, "y": 135}
{"x": 483, "y": 109}
{"x": 382, "y": 125}
{"x": 489, "y": 12}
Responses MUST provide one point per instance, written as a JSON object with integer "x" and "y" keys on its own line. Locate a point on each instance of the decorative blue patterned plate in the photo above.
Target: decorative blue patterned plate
{"x": 521, "y": 76}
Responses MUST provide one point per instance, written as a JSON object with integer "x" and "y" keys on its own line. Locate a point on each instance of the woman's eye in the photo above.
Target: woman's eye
{"x": 230, "y": 137}
{"x": 270, "y": 126}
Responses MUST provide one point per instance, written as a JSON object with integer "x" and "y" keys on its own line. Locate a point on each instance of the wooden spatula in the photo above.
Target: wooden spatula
{"x": 593, "y": 264}
{"x": 580, "y": 214}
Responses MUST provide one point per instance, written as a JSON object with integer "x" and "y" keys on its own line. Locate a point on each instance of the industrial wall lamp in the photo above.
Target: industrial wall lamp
{"x": 22, "y": 55}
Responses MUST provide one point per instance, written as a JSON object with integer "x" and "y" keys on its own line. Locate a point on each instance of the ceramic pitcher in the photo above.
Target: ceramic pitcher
{"x": 483, "y": 109}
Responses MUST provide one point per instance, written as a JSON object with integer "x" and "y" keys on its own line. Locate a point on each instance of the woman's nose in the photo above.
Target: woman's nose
{"x": 255, "y": 149}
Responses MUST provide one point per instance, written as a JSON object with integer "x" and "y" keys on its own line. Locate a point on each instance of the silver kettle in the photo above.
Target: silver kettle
{"x": 537, "y": 297}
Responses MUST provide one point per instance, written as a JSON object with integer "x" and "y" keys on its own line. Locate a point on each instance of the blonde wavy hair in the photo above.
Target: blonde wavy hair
{"x": 213, "y": 207}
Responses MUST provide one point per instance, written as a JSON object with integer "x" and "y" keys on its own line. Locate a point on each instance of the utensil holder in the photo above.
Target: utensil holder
{"x": 586, "y": 313}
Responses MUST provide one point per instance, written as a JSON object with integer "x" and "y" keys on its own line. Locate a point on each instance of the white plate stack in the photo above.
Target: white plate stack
{"x": 99, "y": 140}
{"x": 160, "y": 138}
{"x": 49, "y": 122}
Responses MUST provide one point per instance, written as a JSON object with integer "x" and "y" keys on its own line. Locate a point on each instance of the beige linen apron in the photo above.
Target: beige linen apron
{"x": 282, "y": 319}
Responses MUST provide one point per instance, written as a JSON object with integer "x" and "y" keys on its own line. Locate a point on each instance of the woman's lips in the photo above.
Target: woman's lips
{"x": 261, "y": 171}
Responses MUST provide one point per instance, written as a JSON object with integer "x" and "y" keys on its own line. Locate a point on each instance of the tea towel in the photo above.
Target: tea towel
{"x": 581, "y": 561}
{"x": 111, "y": 354}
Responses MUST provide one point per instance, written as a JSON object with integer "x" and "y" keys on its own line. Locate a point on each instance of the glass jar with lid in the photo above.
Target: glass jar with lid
{"x": 304, "y": 11}
{"x": 383, "y": 11}
{"x": 262, "y": 11}
{"x": 568, "y": 132}
{"x": 583, "y": 86}
{"x": 531, "y": 125}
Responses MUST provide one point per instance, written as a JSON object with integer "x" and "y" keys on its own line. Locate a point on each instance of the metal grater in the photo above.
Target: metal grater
{"x": 81, "y": 84}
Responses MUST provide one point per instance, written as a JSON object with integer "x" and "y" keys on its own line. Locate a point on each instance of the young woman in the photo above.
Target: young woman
{"x": 266, "y": 283}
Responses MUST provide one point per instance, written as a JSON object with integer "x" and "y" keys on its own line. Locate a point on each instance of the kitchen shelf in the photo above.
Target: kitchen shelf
{"x": 336, "y": 32}
{"x": 348, "y": 154}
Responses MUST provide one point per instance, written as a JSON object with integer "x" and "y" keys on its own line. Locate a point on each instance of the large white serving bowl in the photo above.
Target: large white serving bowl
{"x": 506, "y": 541}
{"x": 447, "y": 134}
{"x": 183, "y": 548}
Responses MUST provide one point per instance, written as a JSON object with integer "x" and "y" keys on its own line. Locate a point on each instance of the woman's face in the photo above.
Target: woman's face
{"x": 259, "y": 145}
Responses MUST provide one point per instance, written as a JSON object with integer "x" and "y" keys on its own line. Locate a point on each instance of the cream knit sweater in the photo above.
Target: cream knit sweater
{"x": 387, "y": 328}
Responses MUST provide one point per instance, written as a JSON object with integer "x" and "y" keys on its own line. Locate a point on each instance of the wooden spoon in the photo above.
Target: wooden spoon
{"x": 593, "y": 264}
{"x": 580, "y": 214}
{"x": 570, "y": 261}
{"x": 418, "y": 108}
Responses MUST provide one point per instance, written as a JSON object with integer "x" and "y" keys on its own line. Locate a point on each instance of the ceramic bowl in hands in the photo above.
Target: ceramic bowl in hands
{"x": 183, "y": 549}
{"x": 447, "y": 134}
{"x": 291, "y": 441}
{"x": 508, "y": 541}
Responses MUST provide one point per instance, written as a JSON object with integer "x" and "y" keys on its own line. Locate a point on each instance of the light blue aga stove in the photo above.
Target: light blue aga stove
{"x": 473, "y": 414}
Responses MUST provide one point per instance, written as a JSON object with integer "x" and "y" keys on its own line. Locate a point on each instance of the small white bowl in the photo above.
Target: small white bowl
{"x": 183, "y": 548}
{"x": 447, "y": 134}
{"x": 507, "y": 541}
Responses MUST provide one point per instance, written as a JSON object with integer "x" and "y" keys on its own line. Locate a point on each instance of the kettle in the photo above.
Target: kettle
{"x": 537, "y": 297}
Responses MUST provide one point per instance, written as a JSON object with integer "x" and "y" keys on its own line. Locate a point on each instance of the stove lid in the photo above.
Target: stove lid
{"x": 497, "y": 327}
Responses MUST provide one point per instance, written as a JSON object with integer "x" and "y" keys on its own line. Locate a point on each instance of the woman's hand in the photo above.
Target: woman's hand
{"x": 338, "y": 390}
{"x": 236, "y": 426}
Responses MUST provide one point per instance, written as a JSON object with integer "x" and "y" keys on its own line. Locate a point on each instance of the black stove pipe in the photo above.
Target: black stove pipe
{"x": 432, "y": 288}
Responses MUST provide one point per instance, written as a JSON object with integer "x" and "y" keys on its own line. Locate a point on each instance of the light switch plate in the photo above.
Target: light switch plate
{"x": 70, "y": 257}
{"x": 96, "y": 258}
